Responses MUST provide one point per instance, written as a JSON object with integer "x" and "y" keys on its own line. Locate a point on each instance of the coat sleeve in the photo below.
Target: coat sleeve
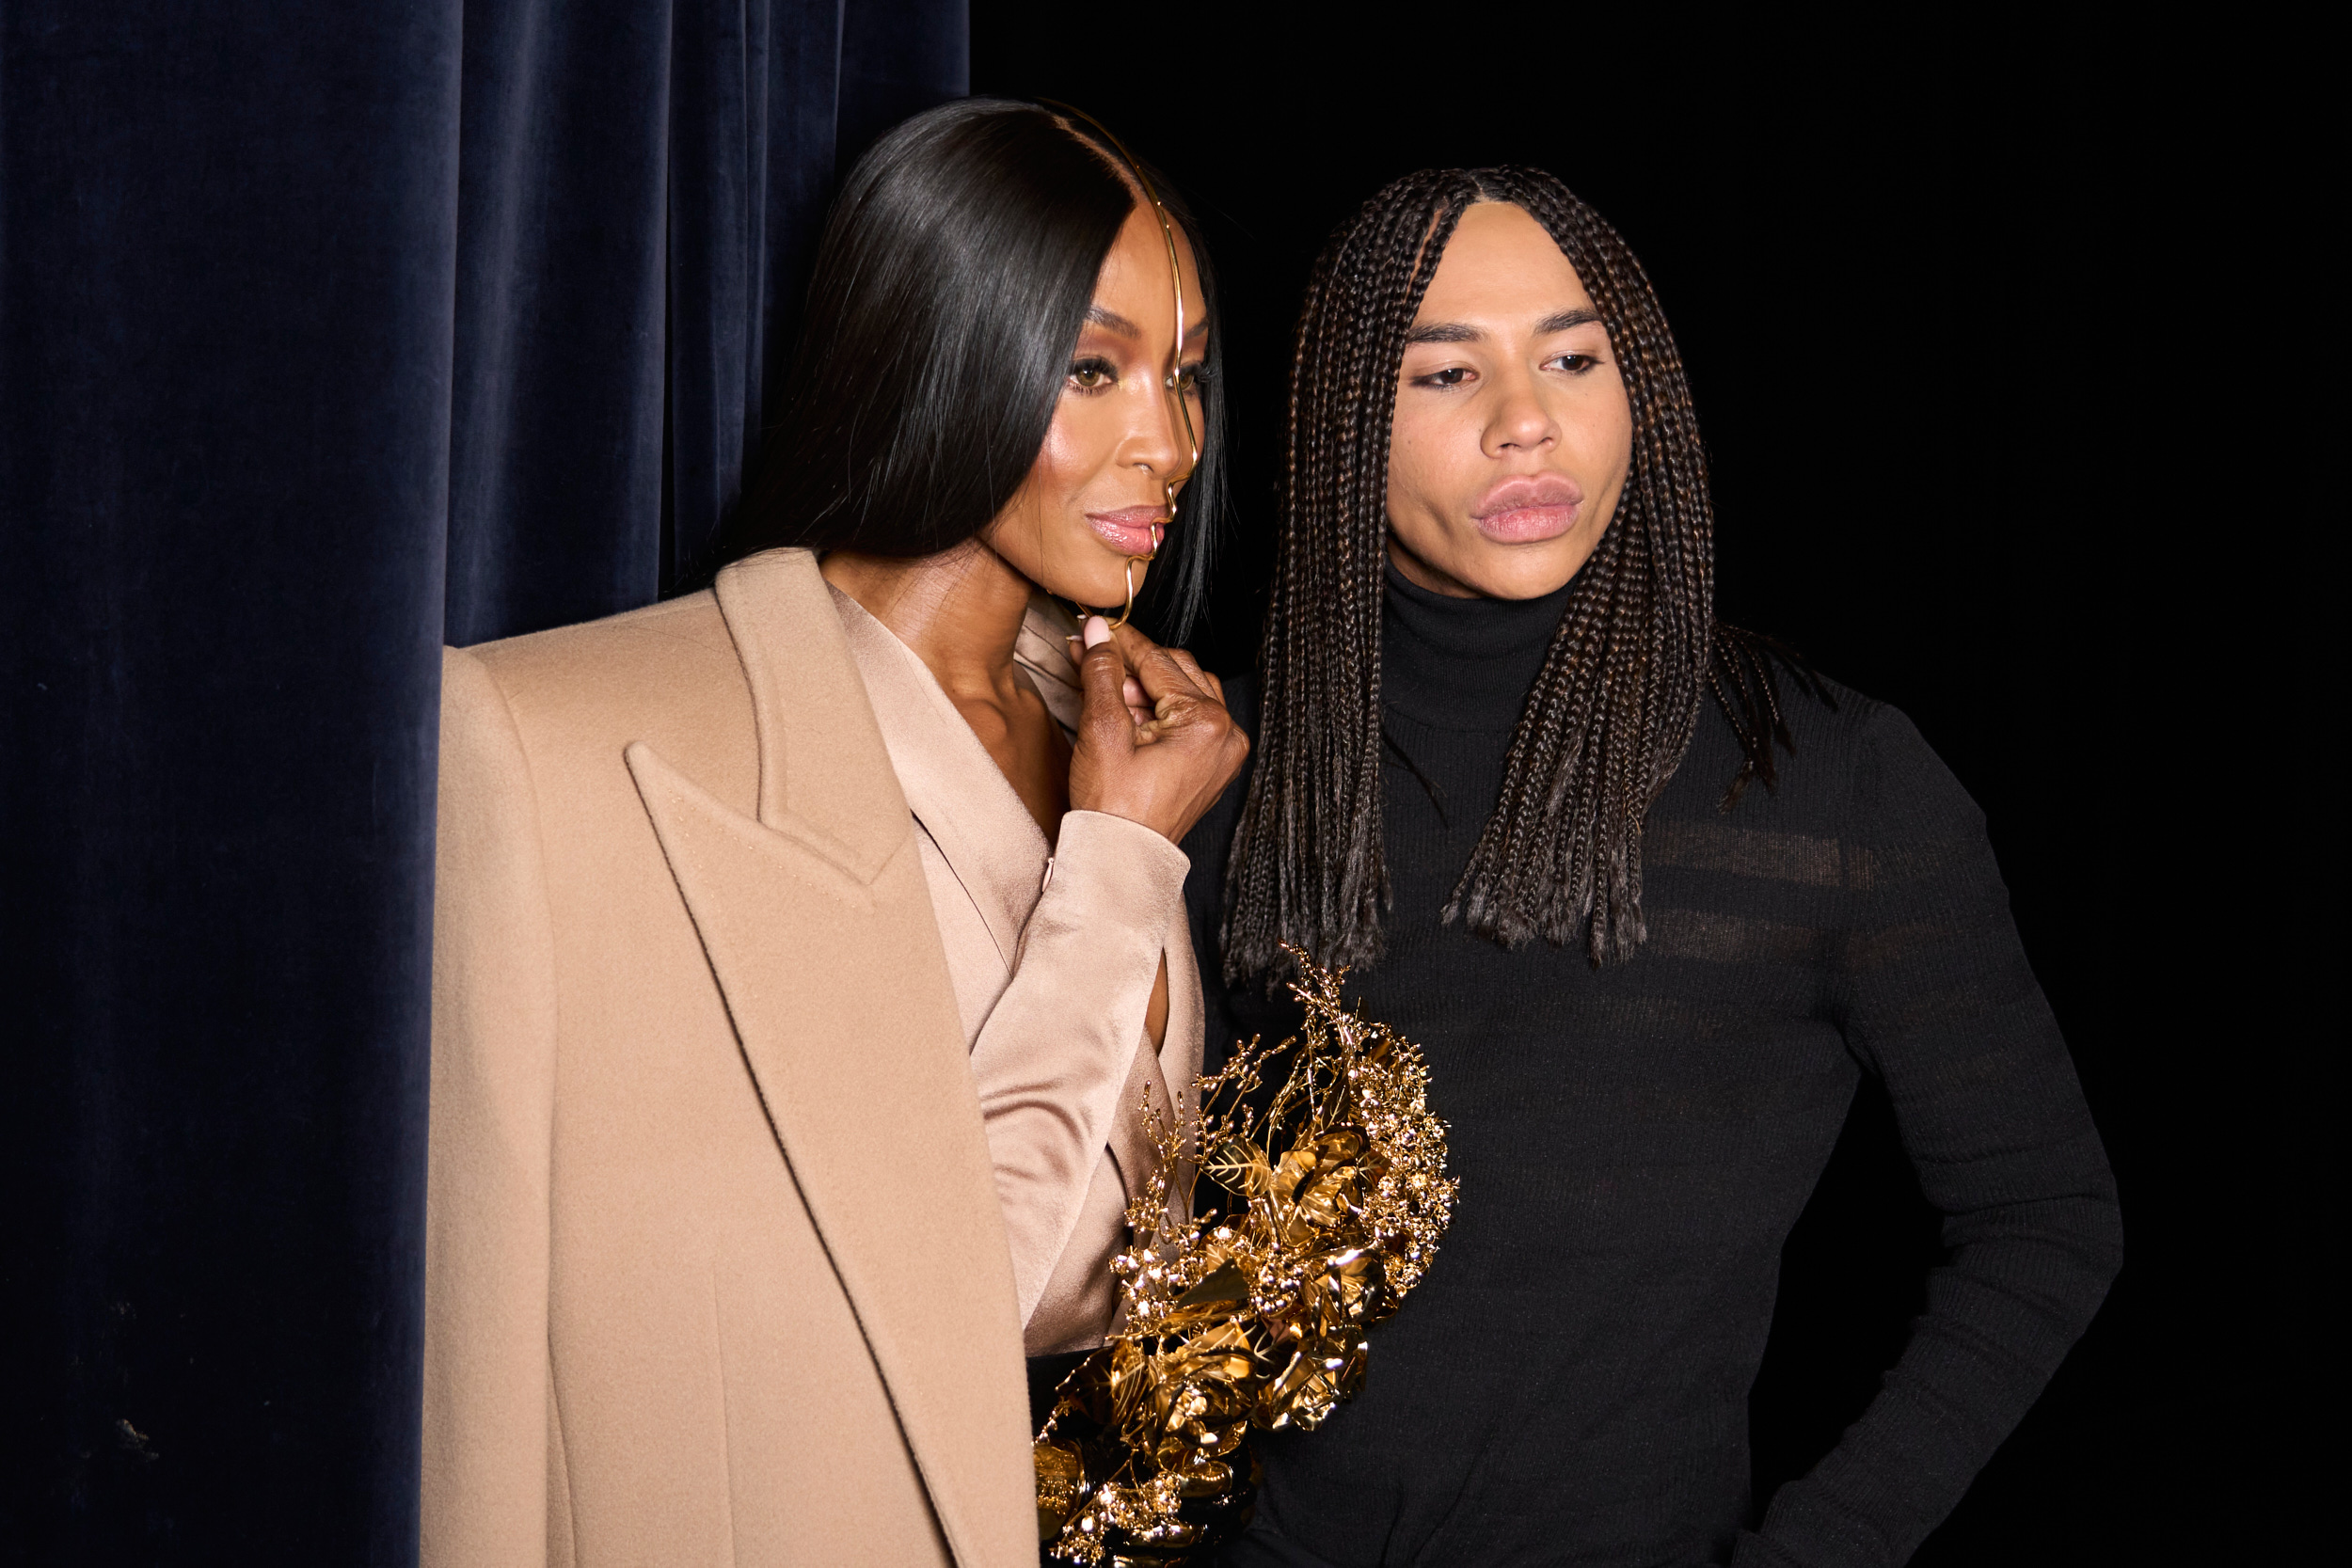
{"x": 487, "y": 1394}
{"x": 1936, "y": 998}
{"x": 1060, "y": 1043}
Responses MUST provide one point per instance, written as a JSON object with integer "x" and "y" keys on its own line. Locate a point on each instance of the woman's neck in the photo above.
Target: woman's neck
{"x": 960, "y": 611}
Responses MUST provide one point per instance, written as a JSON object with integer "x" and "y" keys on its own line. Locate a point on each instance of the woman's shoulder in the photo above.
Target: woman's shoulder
{"x": 604, "y": 658}
{"x": 576, "y": 696}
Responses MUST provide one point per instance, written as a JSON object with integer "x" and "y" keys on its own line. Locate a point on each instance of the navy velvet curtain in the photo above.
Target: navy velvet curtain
{"x": 327, "y": 334}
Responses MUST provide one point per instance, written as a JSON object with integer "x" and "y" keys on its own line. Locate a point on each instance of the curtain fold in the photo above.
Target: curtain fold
{"x": 327, "y": 335}
{"x": 640, "y": 192}
{"x": 556, "y": 413}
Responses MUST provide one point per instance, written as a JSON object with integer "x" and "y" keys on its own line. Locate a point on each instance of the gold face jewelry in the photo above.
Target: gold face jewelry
{"x": 1173, "y": 383}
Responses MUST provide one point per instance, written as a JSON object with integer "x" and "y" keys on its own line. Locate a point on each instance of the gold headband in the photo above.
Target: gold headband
{"x": 1174, "y": 382}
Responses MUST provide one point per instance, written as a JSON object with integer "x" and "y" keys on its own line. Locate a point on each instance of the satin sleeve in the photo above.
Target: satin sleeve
{"x": 1061, "y": 1042}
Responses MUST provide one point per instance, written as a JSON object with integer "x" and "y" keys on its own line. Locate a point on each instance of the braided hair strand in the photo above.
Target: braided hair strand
{"x": 1637, "y": 651}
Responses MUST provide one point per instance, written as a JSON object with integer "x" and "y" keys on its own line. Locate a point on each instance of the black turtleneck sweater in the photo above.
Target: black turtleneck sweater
{"x": 1571, "y": 1383}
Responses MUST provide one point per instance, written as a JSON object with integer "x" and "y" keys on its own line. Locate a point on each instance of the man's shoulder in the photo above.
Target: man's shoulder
{"x": 1845, "y": 754}
{"x": 1212, "y": 835}
{"x": 1241, "y": 701}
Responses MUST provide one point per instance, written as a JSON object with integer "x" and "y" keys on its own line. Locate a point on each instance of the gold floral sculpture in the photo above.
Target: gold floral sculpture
{"x": 1252, "y": 1315}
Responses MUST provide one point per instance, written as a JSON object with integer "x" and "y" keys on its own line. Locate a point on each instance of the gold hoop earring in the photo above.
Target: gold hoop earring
{"x": 1081, "y": 611}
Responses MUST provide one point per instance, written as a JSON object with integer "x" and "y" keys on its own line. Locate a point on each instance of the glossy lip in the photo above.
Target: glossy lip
{"x": 1528, "y": 509}
{"x": 1128, "y": 531}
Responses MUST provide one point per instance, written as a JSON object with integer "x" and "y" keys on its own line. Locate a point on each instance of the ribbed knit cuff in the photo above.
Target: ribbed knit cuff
{"x": 1754, "y": 1551}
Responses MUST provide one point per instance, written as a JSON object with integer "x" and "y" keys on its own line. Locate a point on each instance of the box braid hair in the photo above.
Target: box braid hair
{"x": 1637, "y": 651}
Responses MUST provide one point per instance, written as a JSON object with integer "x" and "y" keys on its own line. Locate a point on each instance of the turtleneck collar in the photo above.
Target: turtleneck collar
{"x": 1463, "y": 664}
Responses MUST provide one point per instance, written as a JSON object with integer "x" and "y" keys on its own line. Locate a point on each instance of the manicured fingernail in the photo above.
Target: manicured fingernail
{"x": 1098, "y": 631}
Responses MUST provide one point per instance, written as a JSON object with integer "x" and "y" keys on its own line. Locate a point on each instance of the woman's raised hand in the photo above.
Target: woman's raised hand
{"x": 1155, "y": 744}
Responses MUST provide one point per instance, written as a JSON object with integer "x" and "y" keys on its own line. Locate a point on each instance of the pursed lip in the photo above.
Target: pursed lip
{"x": 1128, "y": 531}
{"x": 1527, "y": 509}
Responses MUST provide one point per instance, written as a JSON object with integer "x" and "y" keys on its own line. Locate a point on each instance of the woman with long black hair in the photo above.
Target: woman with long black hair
{"x": 1651, "y": 898}
{"x": 809, "y": 947}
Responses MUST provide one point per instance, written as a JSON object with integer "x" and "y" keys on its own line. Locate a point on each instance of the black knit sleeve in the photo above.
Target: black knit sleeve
{"x": 1936, "y": 997}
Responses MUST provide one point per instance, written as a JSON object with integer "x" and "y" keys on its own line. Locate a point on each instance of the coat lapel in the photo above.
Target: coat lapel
{"x": 818, "y": 926}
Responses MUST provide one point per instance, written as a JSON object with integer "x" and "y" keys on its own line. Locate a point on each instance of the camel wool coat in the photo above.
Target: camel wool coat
{"x": 717, "y": 1270}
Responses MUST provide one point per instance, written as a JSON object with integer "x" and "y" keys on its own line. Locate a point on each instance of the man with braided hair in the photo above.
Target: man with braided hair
{"x": 1507, "y": 764}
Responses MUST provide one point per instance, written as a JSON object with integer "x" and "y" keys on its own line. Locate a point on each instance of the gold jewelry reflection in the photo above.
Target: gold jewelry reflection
{"x": 1253, "y": 1317}
{"x": 1173, "y": 383}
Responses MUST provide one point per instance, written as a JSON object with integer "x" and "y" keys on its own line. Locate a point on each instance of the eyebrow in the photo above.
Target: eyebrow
{"x": 1444, "y": 332}
{"x": 1560, "y": 321}
{"x": 1459, "y": 332}
{"x": 1110, "y": 320}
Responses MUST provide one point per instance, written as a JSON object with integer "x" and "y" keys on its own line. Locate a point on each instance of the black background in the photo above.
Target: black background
{"x": 1998, "y": 336}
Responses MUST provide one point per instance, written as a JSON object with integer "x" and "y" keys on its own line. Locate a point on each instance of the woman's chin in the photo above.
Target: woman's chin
{"x": 1106, "y": 591}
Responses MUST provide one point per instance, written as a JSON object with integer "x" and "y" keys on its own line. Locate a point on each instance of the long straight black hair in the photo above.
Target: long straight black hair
{"x": 1637, "y": 652}
{"x": 954, "y": 275}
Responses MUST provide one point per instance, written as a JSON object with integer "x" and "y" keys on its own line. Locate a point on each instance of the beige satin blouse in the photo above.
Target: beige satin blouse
{"x": 1053, "y": 954}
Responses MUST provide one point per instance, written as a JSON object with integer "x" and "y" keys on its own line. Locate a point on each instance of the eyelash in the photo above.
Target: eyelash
{"x": 1589, "y": 362}
{"x": 1196, "y": 375}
